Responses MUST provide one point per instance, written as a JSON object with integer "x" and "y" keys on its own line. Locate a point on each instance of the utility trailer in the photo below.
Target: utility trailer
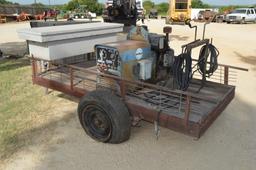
{"x": 187, "y": 112}
{"x": 111, "y": 103}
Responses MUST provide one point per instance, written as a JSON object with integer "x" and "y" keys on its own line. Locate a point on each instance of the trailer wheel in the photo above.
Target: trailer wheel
{"x": 104, "y": 117}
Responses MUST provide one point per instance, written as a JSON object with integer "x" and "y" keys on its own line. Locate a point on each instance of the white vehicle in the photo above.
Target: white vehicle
{"x": 92, "y": 15}
{"x": 242, "y": 15}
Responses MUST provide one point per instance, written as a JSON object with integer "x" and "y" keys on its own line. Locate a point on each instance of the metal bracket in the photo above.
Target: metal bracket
{"x": 205, "y": 29}
{"x": 156, "y": 123}
{"x": 188, "y": 22}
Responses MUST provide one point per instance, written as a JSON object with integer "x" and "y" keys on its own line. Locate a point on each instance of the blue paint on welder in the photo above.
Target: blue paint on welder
{"x": 130, "y": 55}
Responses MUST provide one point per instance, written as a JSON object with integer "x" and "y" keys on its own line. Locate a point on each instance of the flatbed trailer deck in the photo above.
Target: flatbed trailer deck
{"x": 190, "y": 112}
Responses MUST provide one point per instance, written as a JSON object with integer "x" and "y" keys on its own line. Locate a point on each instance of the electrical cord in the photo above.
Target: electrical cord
{"x": 182, "y": 67}
{"x": 182, "y": 70}
{"x": 205, "y": 52}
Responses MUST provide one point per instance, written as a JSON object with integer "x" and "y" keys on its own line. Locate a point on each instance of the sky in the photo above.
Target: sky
{"x": 212, "y": 2}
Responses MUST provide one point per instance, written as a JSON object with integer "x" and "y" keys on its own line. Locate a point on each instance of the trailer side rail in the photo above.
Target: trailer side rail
{"x": 189, "y": 112}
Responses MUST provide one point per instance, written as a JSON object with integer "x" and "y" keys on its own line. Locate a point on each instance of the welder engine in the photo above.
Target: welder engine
{"x": 148, "y": 57}
{"x": 143, "y": 56}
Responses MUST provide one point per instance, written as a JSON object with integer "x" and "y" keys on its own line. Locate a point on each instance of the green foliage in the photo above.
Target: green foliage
{"x": 199, "y": 4}
{"x": 226, "y": 9}
{"x": 5, "y": 2}
{"x": 91, "y": 5}
{"x": 72, "y": 5}
{"x": 20, "y": 105}
{"x": 229, "y": 8}
{"x": 38, "y": 5}
{"x": 148, "y": 5}
{"x": 162, "y": 8}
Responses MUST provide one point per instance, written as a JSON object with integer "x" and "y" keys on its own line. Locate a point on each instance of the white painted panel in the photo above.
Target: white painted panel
{"x": 46, "y": 34}
{"x": 60, "y": 50}
{"x": 52, "y": 43}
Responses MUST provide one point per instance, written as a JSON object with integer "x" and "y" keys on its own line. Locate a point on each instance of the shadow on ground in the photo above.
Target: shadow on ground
{"x": 67, "y": 97}
{"x": 7, "y": 64}
{"x": 26, "y": 138}
{"x": 17, "y": 49}
{"x": 74, "y": 150}
{"x": 13, "y": 56}
{"x": 251, "y": 60}
{"x": 179, "y": 38}
{"x": 143, "y": 142}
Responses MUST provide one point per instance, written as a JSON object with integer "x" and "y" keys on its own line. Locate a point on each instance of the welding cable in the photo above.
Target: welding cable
{"x": 182, "y": 70}
{"x": 205, "y": 52}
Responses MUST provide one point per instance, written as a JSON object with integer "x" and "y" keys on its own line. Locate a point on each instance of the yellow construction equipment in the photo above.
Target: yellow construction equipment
{"x": 179, "y": 11}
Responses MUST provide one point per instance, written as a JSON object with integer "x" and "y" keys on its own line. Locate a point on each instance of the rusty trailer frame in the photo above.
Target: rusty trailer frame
{"x": 191, "y": 112}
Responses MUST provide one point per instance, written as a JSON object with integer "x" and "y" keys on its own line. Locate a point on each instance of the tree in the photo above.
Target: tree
{"x": 72, "y": 5}
{"x": 162, "y": 8}
{"x": 148, "y": 5}
{"x": 199, "y": 4}
{"x": 91, "y": 5}
{"x": 38, "y": 5}
{"x": 5, "y": 2}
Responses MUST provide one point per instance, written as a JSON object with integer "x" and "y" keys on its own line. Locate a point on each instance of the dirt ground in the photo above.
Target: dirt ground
{"x": 230, "y": 143}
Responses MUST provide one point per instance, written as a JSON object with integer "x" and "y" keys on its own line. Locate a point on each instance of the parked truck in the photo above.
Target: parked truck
{"x": 242, "y": 15}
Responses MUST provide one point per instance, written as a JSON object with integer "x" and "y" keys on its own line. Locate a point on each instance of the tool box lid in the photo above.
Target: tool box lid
{"x": 48, "y": 34}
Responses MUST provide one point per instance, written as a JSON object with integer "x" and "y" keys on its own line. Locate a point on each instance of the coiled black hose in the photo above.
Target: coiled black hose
{"x": 182, "y": 70}
{"x": 182, "y": 67}
{"x": 211, "y": 66}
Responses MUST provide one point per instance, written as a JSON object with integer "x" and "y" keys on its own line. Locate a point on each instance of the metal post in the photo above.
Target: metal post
{"x": 122, "y": 89}
{"x": 88, "y": 56}
{"x": 71, "y": 79}
{"x": 226, "y": 75}
{"x": 205, "y": 29}
{"x": 34, "y": 68}
{"x": 187, "y": 111}
{"x": 195, "y": 33}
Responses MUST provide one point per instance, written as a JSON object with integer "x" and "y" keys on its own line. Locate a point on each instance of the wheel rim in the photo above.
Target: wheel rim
{"x": 97, "y": 122}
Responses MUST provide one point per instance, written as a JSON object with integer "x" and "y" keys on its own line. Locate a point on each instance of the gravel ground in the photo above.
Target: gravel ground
{"x": 230, "y": 143}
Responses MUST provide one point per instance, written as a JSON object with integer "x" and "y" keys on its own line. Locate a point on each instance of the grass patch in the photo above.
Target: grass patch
{"x": 22, "y": 105}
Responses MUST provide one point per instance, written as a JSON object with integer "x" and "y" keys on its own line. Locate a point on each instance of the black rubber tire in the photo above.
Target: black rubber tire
{"x": 242, "y": 21}
{"x": 113, "y": 108}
